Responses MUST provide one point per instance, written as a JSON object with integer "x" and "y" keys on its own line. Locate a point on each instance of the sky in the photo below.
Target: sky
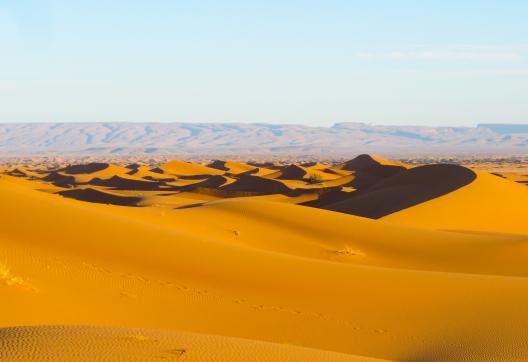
{"x": 428, "y": 62}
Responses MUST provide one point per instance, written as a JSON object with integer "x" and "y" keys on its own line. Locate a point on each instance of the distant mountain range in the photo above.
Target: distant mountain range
{"x": 185, "y": 139}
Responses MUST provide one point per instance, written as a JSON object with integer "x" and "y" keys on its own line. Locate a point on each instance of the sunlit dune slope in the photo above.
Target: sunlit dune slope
{"x": 314, "y": 165}
{"x": 325, "y": 235}
{"x": 145, "y": 172}
{"x": 333, "y": 282}
{"x": 489, "y": 204}
{"x": 80, "y": 343}
{"x": 259, "y": 171}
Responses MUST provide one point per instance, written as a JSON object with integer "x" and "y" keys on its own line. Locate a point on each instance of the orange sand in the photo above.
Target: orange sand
{"x": 198, "y": 276}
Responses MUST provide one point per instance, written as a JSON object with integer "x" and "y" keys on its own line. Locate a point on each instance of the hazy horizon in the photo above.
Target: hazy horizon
{"x": 313, "y": 63}
{"x": 327, "y": 125}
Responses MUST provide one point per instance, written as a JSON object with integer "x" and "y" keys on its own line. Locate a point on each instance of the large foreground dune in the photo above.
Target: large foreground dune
{"x": 134, "y": 344}
{"x": 234, "y": 265}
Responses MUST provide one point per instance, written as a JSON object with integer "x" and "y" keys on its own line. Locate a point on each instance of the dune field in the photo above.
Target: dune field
{"x": 364, "y": 260}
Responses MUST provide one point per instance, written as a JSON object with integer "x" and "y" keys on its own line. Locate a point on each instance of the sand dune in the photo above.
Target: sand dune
{"x": 84, "y": 173}
{"x": 365, "y": 162}
{"x": 403, "y": 190}
{"x": 17, "y": 172}
{"x": 245, "y": 273}
{"x": 144, "y": 172}
{"x": 134, "y": 344}
{"x": 488, "y": 204}
{"x": 181, "y": 168}
{"x": 255, "y": 184}
{"x": 297, "y": 172}
{"x": 232, "y": 167}
{"x": 60, "y": 180}
{"x": 259, "y": 171}
{"x": 127, "y": 183}
{"x": 314, "y": 165}
{"x": 291, "y": 172}
{"x": 85, "y": 168}
{"x": 213, "y": 182}
{"x": 92, "y": 195}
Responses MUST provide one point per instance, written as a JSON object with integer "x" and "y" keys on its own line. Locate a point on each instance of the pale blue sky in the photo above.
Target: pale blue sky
{"x": 433, "y": 62}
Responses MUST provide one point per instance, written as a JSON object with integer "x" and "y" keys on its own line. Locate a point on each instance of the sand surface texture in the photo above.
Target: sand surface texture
{"x": 368, "y": 259}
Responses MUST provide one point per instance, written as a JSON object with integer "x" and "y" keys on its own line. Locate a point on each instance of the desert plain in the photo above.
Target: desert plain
{"x": 362, "y": 260}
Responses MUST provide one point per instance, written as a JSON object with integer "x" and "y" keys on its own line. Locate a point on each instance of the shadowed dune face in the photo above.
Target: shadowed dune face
{"x": 219, "y": 165}
{"x": 17, "y": 173}
{"x": 365, "y": 161}
{"x": 404, "y": 190}
{"x": 100, "y": 197}
{"x": 85, "y": 169}
{"x": 120, "y": 183}
{"x": 133, "y": 166}
{"x": 359, "y": 163}
{"x": 292, "y": 172}
{"x": 248, "y": 183}
{"x": 60, "y": 180}
{"x": 213, "y": 182}
{"x": 369, "y": 170}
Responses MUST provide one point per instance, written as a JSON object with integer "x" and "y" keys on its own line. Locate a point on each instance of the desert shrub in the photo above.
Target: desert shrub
{"x": 315, "y": 178}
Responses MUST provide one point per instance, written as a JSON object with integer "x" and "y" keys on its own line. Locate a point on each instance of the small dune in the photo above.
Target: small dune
{"x": 231, "y": 166}
{"x": 364, "y": 162}
{"x": 96, "y": 196}
{"x": 291, "y": 172}
{"x": 17, "y": 172}
{"x": 85, "y": 169}
{"x": 257, "y": 185}
{"x": 60, "y": 180}
{"x": 122, "y": 183}
{"x": 181, "y": 168}
{"x": 314, "y": 165}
